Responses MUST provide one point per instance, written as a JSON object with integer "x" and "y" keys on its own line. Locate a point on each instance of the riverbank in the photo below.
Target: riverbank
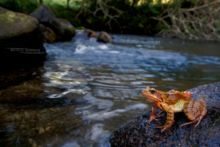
{"x": 173, "y": 19}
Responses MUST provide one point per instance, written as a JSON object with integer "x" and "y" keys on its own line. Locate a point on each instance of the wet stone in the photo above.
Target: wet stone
{"x": 139, "y": 132}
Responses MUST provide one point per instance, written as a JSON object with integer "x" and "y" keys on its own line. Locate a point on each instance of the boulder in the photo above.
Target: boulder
{"x": 139, "y": 132}
{"x": 63, "y": 29}
{"x": 15, "y": 24}
{"x": 104, "y": 37}
{"x": 90, "y": 33}
{"x": 47, "y": 34}
{"x": 20, "y": 38}
{"x": 44, "y": 14}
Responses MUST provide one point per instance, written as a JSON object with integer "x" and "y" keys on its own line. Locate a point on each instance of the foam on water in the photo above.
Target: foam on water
{"x": 103, "y": 115}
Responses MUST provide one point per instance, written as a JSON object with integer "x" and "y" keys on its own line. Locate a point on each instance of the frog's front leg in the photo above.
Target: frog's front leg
{"x": 170, "y": 116}
{"x": 152, "y": 114}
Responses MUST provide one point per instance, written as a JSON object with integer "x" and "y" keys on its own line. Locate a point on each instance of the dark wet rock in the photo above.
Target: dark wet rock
{"x": 104, "y": 37}
{"x": 24, "y": 91}
{"x": 91, "y": 33}
{"x": 44, "y": 14}
{"x": 139, "y": 133}
{"x": 16, "y": 75}
{"x": 33, "y": 126}
{"x": 48, "y": 34}
{"x": 20, "y": 39}
{"x": 63, "y": 29}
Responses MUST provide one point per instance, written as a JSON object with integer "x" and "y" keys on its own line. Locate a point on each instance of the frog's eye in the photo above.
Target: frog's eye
{"x": 152, "y": 91}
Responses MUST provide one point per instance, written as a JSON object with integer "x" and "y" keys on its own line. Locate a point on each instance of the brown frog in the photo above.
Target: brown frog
{"x": 175, "y": 101}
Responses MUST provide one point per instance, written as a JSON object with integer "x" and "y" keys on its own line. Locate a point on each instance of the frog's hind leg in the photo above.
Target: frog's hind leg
{"x": 189, "y": 112}
{"x": 203, "y": 111}
{"x": 195, "y": 111}
{"x": 188, "y": 123}
{"x": 196, "y": 121}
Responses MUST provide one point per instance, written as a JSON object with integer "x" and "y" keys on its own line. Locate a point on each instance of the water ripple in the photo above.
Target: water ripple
{"x": 106, "y": 80}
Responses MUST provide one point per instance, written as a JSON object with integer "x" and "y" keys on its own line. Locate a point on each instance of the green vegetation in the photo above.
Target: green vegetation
{"x": 148, "y": 17}
{"x": 19, "y": 5}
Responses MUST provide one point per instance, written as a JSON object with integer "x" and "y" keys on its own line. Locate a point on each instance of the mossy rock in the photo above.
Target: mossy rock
{"x": 20, "y": 39}
{"x": 63, "y": 28}
{"x": 104, "y": 37}
{"x": 15, "y": 24}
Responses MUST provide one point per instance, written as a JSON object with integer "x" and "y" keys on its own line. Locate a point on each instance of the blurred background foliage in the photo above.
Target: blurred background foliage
{"x": 148, "y": 17}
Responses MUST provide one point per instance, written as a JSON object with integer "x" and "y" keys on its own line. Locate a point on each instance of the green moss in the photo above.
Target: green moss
{"x": 7, "y": 17}
{"x": 14, "y": 24}
{"x": 11, "y": 17}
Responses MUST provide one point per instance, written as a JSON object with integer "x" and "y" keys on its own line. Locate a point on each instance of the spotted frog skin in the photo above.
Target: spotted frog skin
{"x": 175, "y": 101}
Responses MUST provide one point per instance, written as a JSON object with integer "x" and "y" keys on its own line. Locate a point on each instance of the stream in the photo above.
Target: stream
{"x": 85, "y": 89}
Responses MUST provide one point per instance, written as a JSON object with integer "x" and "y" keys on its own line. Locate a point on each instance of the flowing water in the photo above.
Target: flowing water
{"x": 85, "y": 89}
